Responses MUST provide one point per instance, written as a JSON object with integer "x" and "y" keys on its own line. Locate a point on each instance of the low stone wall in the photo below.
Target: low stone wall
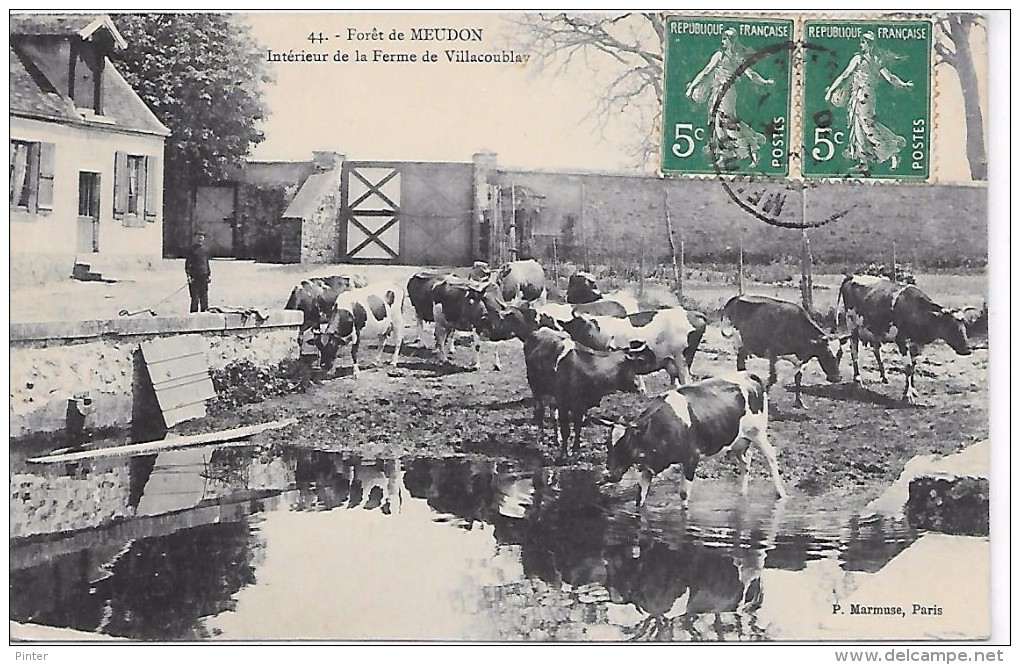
{"x": 53, "y": 362}
{"x": 945, "y": 494}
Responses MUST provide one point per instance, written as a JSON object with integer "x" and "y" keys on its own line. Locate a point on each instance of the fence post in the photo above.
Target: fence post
{"x": 806, "y": 286}
{"x": 641, "y": 267}
{"x": 894, "y": 271}
{"x": 512, "y": 240}
{"x": 740, "y": 267}
{"x": 556, "y": 264}
{"x": 584, "y": 229}
{"x": 678, "y": 284}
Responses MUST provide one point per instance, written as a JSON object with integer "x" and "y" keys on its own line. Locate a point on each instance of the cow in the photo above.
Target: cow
{"x": 521, "y": 280}
{"x": 878, "y": 310}
{"x": 583, "y": 290}
{"x": 419, "y": 292}
{"x": 694, "y": 421}
{"x": 975, "y": 321}
{"x": 672, "y": 334}
{"x": 419, "y": 289}
{"x": 559, "y": 313}
{"x": 314, "y": 297}
{"x": 573, "y": 378}
{"x": 773, "y": 328}
{"x": 603, "y": 307}
{"x": 372, "y": 311}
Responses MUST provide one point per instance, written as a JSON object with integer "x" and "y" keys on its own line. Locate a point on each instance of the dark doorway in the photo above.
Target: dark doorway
{"x": 88, "y": 212}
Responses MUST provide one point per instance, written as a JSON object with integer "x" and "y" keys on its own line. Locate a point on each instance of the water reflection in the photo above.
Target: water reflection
{"x": 176, "y": 546}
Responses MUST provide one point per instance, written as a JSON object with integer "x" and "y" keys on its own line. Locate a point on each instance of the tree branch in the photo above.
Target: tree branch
{"x": 944, "y": 53}
{"x": 626, "y": 48}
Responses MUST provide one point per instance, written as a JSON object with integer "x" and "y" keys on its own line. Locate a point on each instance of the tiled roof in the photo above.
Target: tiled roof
{"x": 63, "y": 25}
{"x": 32, "y": 94}
{"x": 49, "y": 24}
{"x": 310, "y": 196}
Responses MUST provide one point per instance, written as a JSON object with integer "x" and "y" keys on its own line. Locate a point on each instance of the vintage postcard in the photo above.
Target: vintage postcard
{"x": 557, "y": 327}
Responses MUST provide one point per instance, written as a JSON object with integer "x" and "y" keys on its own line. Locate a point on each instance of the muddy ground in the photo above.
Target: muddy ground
{"x": 844, "y": 448}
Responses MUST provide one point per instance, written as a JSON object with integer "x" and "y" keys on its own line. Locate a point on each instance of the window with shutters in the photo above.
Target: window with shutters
{"x": 135, "y": 198}
{"x": 136, "y": 176}
{"x": 31, "y": 176}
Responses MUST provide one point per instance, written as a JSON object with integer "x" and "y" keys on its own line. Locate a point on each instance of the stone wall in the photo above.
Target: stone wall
{"x": 95, "y": 494}
{"x": 621, "y": 216}
{"x": 52, "y": 362}
{"x": 320, "y": 231}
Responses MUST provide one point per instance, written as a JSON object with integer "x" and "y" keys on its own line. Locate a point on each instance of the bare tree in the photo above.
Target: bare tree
{"x": 624, "y": 49}
{"x": 952, "y": 47}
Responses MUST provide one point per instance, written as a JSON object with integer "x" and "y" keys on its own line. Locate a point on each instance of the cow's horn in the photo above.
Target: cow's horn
{"x": 605, "y": 422}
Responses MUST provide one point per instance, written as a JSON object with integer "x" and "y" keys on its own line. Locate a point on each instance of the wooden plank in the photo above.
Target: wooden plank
{"x": 169, "y": 348}
{"x": 166, "y": 444}
{"x": 180, "y": 376}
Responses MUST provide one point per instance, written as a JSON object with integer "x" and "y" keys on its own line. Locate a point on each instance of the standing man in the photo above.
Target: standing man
{"x": 196, "y": 266}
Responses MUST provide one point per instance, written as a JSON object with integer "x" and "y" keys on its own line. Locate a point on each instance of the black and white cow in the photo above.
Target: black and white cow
{"x": 672, "y": 334}
{"x": 879, "y": 310}
{"x": 370, "y": 312}
{"x": 420, "y": 285}
{"x": 772, "y": 328}
{"x": 693, "y": 422}
{"x": 573, "y": 378}
{"x": 314, "y": 297}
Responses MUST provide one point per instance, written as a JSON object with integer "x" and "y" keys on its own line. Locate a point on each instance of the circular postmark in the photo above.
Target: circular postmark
{"x": 779, "y": 201}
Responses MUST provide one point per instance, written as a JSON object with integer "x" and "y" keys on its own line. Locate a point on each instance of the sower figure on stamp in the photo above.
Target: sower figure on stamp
{"x": 869, "y": 142}
{"x": 196, "y": 267}
{"x": 730, "y": 137}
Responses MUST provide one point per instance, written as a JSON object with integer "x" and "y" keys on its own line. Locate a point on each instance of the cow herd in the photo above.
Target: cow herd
{"x": 578, "y": 352}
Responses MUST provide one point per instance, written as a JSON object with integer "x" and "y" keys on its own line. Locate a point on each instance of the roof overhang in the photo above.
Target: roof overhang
{"x": 103, "y": 21}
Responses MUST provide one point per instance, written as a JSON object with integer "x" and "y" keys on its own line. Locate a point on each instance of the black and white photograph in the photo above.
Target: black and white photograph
{"x": 558, "y": 327}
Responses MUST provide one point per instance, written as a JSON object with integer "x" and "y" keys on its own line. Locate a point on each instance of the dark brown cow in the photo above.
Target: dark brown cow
{"x": 772, "y": 328}
{"x": 582, "y": 288}
{"x": 879, "y": 310}
{"x": 575, "y": 378}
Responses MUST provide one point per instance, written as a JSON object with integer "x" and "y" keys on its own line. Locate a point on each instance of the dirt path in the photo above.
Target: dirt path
{"x": 846, "y": 447}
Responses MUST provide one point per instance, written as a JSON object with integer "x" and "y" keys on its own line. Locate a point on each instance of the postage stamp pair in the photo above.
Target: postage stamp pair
{"x": 813, "y": 98}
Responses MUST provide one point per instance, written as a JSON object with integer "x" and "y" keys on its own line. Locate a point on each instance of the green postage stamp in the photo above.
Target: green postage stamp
{"x": 866, "y": 99}
{"x": 727, "y": 96}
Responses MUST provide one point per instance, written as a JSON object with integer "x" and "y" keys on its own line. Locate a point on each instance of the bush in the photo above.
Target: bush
{"x": 242, "y": 382}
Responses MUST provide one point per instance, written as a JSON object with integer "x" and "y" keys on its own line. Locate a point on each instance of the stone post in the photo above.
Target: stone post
{"x": 330, "y": 161}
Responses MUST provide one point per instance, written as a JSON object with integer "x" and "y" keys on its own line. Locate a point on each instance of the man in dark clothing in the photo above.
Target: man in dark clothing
{"x": 196, "y": 266}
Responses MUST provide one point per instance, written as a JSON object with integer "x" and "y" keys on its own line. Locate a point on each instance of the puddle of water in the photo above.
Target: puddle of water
{"x": 247, "y": 544}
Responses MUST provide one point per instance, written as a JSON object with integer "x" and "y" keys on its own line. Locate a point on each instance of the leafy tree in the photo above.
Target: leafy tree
{"x": 952, "y": 47}
{"x": 202, "y": 74}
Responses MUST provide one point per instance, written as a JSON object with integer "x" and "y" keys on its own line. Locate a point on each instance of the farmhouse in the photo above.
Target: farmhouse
{"x": 86, "y": 153}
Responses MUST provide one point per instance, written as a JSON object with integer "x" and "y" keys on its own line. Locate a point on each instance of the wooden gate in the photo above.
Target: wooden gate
{"x": 417, "y": 213}
{"x": 215, "y": 209}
